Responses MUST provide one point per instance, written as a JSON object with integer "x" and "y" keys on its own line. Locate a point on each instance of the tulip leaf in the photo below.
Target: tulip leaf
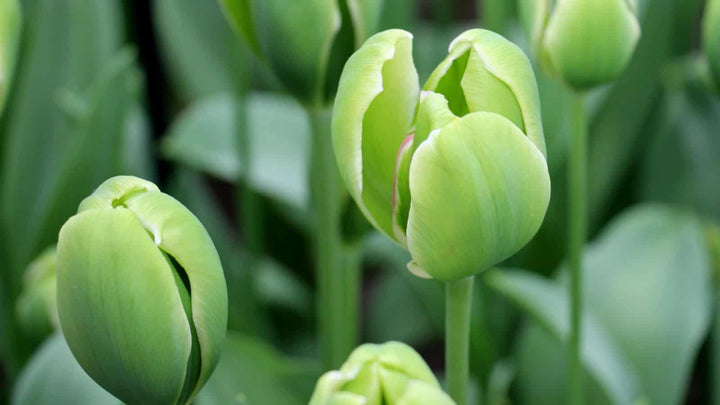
{"x": 203, "y": 55}
{"x": 203, "y": 137}
{"x": 53, "y": 377}
{"x": 687, "y": 136}
{"x": 85, "y": 34}
{"x": 647, "y": 284}
{"x": 547, "y": 303}
{"x": 252, "y": 372}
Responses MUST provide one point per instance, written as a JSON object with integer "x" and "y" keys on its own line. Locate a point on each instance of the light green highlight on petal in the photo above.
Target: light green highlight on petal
{"x": 480, "y": 189}
{"x": 374, "y": 111}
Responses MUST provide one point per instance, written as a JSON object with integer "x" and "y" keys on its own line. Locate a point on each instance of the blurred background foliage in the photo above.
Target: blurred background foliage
{"x": 161, "y": 89}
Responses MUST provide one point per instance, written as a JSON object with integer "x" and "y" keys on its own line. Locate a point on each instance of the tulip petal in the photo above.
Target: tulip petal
{"x": 489, "y": 73}
{"x": 419, "y": 393}
{"x": 480, "y": 189}
{"x": 374, "y": 112}
{"x": 433, "y": 114}
{"x": 109, "y": 269}
{"x": 589, "y": 42}
{"x": 181, "y": 235}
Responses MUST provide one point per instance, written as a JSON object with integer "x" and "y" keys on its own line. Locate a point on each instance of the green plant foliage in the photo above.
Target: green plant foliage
{"x": 53, "y": 377}
{"x": 647, "y": 285}
{"x": 201, "y": 52}
{"x": 687, "y": 136}
{"x": 253, "y": 373}
{"x": 203, "y": 138}
{"x": 10, "y": 22}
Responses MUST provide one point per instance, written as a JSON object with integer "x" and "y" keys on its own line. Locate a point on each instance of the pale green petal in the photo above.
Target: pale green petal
{"x": 181, "y": 235}
{"x": 346, "y": 398}
{"x": 419, "y": 393}
{"x": 590, "y": 42}
{"x": 711, "y": 38}
{"x": 486, "y": 72}
{"x": 374, "y": 111}
{"x": 10, "y": 21}
{"x": 328, "y": 384}
{"x": 110, "y": 269}
{"x": 479, "y": 190}
{"x": 401, "y": 357}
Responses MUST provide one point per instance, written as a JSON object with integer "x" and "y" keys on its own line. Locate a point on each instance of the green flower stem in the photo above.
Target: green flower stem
{"x": 249, "y": 207}
{"x": 577, "y": 225}
{"x": 458, "y": 300}
{"x": 352, "y": 271}
{"x": 333, "y": 322}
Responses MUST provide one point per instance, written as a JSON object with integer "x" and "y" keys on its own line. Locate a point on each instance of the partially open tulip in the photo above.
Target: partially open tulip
{"x": 304, "y": 42}
{"x": 455, "y": 173}
{"x": 388, "y": 374}
{"x": 711, "y": 38}
{"x": 584, "y": 42}
{"x": 36, "y": 307}
{"x": 9, "y": 42}
{"x": 141, "y": 293}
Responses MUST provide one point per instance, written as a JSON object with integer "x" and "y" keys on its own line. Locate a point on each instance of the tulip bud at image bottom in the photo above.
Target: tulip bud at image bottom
{"x": 141, "y": 294}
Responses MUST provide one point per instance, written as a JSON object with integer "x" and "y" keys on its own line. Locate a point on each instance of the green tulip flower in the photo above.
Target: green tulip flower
{"x": 141, "y": 293}
{"x": 711, "y": 38}
{"x": 584, "y": 42}
{"x": 388, "y": 374}
{"x": 456, "y": 173}
{"x": 304, "y": 42}
{"x": 10, "y": 19}
{"x": 36, "y": 307}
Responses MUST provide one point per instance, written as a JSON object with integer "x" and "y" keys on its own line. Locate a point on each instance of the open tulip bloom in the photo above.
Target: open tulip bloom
{"x": 456, "y": 173}
{"x": 141, "y": 293}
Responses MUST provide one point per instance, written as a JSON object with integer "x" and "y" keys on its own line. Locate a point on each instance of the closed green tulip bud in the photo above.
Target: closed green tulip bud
{"x": 141, "y": 293}
{"x": 304, "y": 42}
{"x": 10, "y": 19}
{"x": 388, "y": 374}
{"x": 457, "y": 173}
{"x": 711, "y": 38}
{"x": 36, "y": 307}
{"x": 584, "y": 42}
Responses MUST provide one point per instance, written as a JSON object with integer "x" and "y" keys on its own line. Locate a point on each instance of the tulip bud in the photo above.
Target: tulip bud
{"x": 456, "y": 174}
{"x": 388, "y": 374}
{"x": 10, "y": 19}
{"x": 711, "y": 38}
{"x": 304, "y": 42}
{"x": 584, "y": 42}
{"x": 37, "y": 305}
{"x": 141, "y": 293}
